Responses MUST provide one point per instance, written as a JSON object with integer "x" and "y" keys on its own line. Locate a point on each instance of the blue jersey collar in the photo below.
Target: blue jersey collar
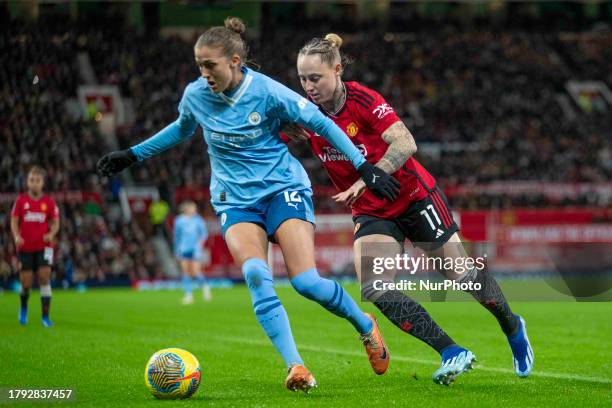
{"x": 232, "y": 97}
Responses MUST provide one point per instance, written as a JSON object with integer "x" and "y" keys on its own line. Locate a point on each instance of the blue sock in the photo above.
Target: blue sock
{"x": 332, "y": 296}
{"x": 187, "y": 284}
{"x": 268, "y": 309}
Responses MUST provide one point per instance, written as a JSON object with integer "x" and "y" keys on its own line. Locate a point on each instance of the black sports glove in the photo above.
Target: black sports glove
{"x": 114, "y": 162}
{"x": 378, "y": 182}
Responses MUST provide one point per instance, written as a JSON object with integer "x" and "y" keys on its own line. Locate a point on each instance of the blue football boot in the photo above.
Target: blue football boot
{"x": 23, "y": 316}
{"x": 522, "y": 353}
{"x": 455, "y": 360}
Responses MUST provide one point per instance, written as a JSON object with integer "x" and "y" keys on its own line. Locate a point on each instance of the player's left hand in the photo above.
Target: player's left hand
{"x": 47, "y": 238}
{"x": 18, "y": 240}
{"x": 383, "y": 185}
{"x": 114, "y": 162}
{"x": 295, "y": 132}
{"x": 349, "y": 196}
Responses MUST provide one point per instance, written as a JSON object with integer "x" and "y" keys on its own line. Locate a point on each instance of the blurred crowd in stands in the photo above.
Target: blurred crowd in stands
{"x": 488, "y": 100}
{"x": 482, "y": 105}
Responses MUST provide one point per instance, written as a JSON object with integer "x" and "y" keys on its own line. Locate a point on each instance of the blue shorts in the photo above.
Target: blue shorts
{"x": 189, "y": 255}
{"x": 270, "y": 213}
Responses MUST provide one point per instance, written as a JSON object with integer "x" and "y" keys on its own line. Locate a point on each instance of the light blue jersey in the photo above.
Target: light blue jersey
{"x": 241, "y": 127}
{"x": 189, "y": 232}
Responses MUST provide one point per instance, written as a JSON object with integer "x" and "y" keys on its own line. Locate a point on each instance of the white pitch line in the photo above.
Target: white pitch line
{"x": 543, "y": 374}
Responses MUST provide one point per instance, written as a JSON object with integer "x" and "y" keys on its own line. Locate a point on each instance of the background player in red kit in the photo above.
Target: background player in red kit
{"x": 420, "y": 213}
{"x": 34, "y": 224}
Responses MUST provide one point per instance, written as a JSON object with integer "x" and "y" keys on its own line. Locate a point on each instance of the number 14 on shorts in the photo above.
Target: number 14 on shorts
{"x": 292, "y": 198}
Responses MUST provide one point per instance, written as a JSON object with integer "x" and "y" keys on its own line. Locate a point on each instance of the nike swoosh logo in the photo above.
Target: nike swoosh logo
{"x": 384, "y": 353}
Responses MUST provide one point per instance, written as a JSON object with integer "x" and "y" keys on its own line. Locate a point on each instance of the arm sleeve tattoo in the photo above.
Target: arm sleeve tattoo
{"x": 401, "y": 147}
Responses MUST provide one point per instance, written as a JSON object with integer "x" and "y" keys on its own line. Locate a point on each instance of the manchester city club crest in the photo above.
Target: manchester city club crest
{"x": 254, "y": 118}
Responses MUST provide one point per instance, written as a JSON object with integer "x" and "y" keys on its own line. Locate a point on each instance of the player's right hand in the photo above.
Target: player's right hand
{"x": 348, "y": 197}
{"x": 379, "y": 182}
{"x": 295, "y": 132}
{"x": 114, "y": 162}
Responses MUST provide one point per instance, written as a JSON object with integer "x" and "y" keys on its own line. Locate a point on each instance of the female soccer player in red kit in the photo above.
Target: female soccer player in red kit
{"x": 420, "y": 213}
{"x": 30, "y": 219}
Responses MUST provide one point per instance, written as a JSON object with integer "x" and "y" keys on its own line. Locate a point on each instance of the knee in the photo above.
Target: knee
{"x": 26, "y": 284}
{"x": 468, "y": 276}
{"x": 256, "y": 273}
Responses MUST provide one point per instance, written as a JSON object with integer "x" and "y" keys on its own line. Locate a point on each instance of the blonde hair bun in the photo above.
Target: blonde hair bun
{"x": 334, "y": 39}
{"x": 235, "y": 24}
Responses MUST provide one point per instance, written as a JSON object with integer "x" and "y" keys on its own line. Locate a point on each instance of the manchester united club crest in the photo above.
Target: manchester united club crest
{"x": 43, "y": 207}
{"x": 352, "y": 129}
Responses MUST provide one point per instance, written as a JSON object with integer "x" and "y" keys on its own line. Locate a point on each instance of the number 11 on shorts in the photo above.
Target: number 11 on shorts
{"x": 425, "y": 213}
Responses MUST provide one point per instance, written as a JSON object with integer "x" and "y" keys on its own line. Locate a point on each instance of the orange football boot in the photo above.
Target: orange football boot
{"x": 375, "y": 347}
{"x": 300, "y": 378}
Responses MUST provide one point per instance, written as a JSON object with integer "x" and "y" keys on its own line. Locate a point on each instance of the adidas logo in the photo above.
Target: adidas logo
{"x": 439, "y": 233}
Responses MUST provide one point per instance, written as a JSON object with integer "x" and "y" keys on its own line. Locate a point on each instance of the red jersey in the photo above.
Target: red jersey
{"x": 34, "y": 216}
{"x": 364, "y": 117}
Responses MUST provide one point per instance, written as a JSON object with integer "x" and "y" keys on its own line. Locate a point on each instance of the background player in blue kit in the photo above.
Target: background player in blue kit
{"x": 259, "y": 191}
{"x": 189, "y": 235}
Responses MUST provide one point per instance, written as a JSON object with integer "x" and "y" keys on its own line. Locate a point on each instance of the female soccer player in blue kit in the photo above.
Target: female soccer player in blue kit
{"x": 259, "y": 191}
{"x": 189, "y": 235}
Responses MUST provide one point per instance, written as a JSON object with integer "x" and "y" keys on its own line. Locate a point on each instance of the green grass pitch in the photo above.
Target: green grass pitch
{"x": 103, "y": 338}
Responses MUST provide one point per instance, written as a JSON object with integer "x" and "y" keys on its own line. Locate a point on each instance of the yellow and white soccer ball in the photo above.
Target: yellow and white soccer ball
{"x": 172, "y": 373}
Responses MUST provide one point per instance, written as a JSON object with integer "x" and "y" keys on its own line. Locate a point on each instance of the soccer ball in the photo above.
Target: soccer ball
{"x": 172, "y": 373}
